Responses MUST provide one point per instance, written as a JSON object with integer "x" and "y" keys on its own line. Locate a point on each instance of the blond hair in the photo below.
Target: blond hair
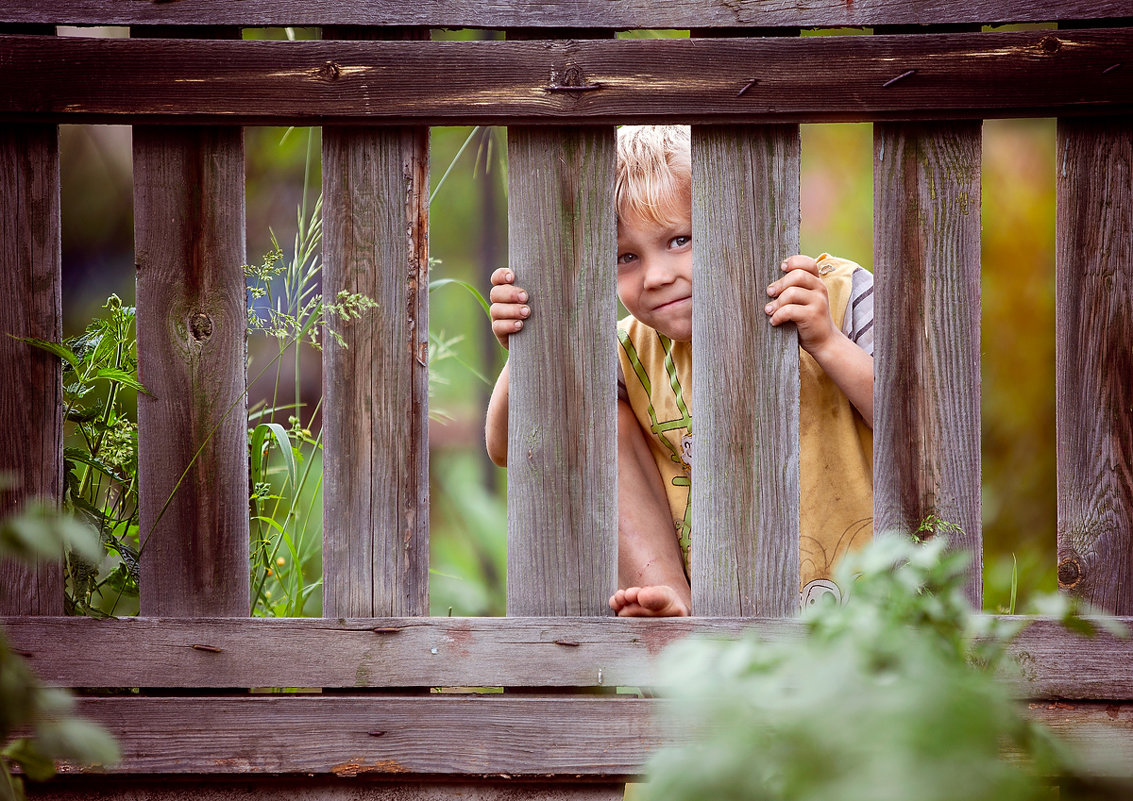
{"x": 654, "y": 173}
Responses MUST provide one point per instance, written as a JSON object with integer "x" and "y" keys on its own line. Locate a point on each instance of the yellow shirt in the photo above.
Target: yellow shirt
{"x": 835, "y": 444}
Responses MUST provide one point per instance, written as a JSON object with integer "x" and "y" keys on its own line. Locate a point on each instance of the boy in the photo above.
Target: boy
{"x": 654, "y": 282}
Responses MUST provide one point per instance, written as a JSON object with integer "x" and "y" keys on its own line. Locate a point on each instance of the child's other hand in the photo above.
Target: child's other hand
{"x": 508, "y": 309}
{"x": 800, "y": 297}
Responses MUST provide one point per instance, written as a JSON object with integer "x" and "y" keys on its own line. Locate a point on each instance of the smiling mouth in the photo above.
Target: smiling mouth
{"x": 671, "y": 304}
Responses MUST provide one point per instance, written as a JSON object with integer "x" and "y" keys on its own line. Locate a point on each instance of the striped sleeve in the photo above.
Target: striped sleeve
{"x": 857, "y": 324}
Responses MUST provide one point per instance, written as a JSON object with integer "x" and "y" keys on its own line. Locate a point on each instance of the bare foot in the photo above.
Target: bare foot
{"x": 656, "y": 601}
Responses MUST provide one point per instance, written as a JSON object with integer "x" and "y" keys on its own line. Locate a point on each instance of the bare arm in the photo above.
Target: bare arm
{"x": 495, "y": 422}
{"x": 508, "y": 311}
{"x": 650, "y": 571}
{"x": 800, "y": 297}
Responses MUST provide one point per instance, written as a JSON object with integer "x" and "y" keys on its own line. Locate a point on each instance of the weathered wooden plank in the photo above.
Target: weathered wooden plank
{"x": 1095, "y": 361}
{"x": 31, "y": 412}
{"x": 491, "y": 652}
{"x": 1101, "y": 732}
{"x": 318, "y": 788}
{"x": 559, "y": 13}
{"x": 562, "y": 424}
{"x": 927, "y": 387}
{"x": 382, "y": 736}
{"x": 955, "y": 75}
{"x": 192, "y": 323}
{"x": 378, "y": 652}
{"x": 449, "y": 736}
{"x": 376, "y": 387}
{"x": 745, "y": 495}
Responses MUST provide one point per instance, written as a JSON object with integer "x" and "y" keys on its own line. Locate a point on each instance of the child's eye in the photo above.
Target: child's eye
{"x": 679, "y": 241}
{"x": 626, "y": 258}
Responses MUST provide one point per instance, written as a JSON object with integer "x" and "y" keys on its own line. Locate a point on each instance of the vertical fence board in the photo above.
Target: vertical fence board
{"x": 192, "y": 321}
{"x": 562, "y": 423}
{"x": 927, "y": 389}
{"x": 376, "y": 434}
{"x": 1095, "y": 361}
{"x": 745, "y": 492}
{"x": 31, "y": 422}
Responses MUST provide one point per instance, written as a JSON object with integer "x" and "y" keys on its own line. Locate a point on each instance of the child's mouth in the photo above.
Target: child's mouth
{"x": 671, "y": 304}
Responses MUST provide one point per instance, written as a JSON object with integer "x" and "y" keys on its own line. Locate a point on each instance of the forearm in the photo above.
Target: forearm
{"x": 648, "y": 554}
{"x": 851, "y": 368}
{"x": 495, "y": 421}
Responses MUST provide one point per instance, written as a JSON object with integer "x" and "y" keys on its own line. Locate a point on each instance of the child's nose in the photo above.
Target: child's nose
{"x": 658, "y": 272}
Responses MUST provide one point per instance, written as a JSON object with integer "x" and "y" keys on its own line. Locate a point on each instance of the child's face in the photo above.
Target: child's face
{"x": 655, "y": 273}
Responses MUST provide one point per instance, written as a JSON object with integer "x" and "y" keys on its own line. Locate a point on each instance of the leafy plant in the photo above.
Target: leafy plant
{"x": 897, "y": 694}
{"x": 100, "y": 457}
{"x": 37, "y": 724}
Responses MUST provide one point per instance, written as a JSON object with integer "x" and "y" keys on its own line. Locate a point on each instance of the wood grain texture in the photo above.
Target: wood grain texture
{"x": 927, "y": 333}
{"x": 489, "y": 652}
{"x": 558, "y": 13}
{"x": 193, "y": 438}
{"x": 562, "y": 414}
{"x": 1094, "y": 356}
{"x": 375, "y": 652}
{"x": 320, "y": 788}
{"x": 376, "y": 469}
{"x": 31, "y": 413}
{"x": 840, "y": 78}
{"x": 368, "y": 737}
{"x": 382, "y": 736}
{"x": 745, "y": 492}
{"x": 1100, "y": 731}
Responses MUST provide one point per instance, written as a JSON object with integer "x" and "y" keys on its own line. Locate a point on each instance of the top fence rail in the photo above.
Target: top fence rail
{"x": 609, "y": 14}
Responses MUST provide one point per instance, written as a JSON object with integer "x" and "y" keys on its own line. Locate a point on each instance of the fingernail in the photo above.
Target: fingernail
{"x": 525, "y": 311}
{"x": 518, "y": 324}
{"x": 522, "y": 297}
{"x": 783, "y": 265}
{"x": 767, "y": 308}
{"x": 511, "y": 276}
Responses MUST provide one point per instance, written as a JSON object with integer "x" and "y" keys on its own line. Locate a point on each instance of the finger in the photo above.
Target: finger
{"x": 794, "y": 296}
{"x": 799, "y": 262}
{"x": 507, "y": 293}
{"x": 800, "y": 278}
{"x": 502, "y": 275}
{"x": 509, "y": 311}
{"x": 505, "y": 328}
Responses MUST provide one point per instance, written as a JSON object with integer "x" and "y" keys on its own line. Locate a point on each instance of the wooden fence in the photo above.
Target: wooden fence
{"x": 560, "y": 81}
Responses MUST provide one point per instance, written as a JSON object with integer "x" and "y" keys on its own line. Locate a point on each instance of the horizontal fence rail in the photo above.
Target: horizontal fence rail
{"x": 490, "y": 736}
{"x": 479, "y": 652}
{"x": 846, "y": 78}
{"x": 558, "y": 13}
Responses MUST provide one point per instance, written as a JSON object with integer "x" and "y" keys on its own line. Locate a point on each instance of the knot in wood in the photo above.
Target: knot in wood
{"x": 200, "y": 326}
{"x": 331, "y": 71}
{"x": 1050, "y": 44}
{"x": 1069, "y": 573}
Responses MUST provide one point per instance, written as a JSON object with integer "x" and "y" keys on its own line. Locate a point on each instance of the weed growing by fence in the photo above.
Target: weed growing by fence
{"x": 100, "y": 457}
{"x": 52, "y": 732}
{"x": 898, "y": 694}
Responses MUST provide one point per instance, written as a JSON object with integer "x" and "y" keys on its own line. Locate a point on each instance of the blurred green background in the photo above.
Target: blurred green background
{"x": 469, "y": 238}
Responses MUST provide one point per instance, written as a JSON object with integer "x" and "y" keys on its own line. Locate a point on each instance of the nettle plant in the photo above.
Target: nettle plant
{"x": 903, "y": 692}
{"x": 100, "y": 457}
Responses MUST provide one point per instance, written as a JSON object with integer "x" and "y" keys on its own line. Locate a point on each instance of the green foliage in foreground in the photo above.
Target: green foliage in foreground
{"x": 43, "y": 717}
{"x": 899, "y": 694}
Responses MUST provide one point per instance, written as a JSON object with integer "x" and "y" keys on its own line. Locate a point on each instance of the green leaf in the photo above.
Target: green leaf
{"x": 440, "y": 282}
{"x": 121, "y": 377}
{"x": 78, "y": 740}
{"x": 283, "y": 438}
{"x": 62, "y": 351}
{"x": 35, "y": 764}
